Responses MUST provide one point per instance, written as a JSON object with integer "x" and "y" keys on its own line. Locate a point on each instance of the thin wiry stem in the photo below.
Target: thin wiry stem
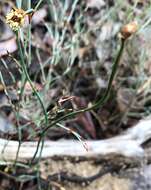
{"x": 98, "y": 104}
{"x": 23, "y": 66}
{"x": 29, "y": 80}
{"x": 38, "y": 4}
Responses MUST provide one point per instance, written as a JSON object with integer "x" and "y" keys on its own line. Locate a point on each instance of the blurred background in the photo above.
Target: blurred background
{"x": 69, "y": 47}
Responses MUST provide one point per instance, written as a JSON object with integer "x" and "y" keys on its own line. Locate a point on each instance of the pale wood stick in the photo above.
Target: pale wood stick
{"x": 127, "y": 145}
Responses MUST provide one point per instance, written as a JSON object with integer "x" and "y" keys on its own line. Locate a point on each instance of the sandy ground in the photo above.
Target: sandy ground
{"x": 84, "y": 169}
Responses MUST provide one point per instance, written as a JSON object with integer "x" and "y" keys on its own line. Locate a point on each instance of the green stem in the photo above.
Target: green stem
{"x": 100, "y": 102}
{"x": 29, "y": 80}
{"x": 38, "y": 4}
{"x": 23, "y": 65}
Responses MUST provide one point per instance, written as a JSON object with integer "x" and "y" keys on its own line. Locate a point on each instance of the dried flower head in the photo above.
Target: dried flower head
{"x": 15, "y": 18}
{"x": 128, "y": 29}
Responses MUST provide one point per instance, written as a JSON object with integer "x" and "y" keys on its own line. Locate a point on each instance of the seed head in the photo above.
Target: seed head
{"x": 128, "y": 29}
{"x": 15, "y": 18}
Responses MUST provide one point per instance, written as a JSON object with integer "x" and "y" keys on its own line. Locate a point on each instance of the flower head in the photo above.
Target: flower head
{"x": 15, "y": 18}
{"x": 128, "y": 29}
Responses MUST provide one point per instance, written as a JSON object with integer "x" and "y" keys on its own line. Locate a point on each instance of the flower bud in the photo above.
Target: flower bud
{"x": 128, "y": 29}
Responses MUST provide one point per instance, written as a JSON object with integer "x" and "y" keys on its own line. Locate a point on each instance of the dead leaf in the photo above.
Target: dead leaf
{"x": 95, "y": 3}
{"x": 65, "y": 99}
{"x": 124, "y": 98}
{"x": 83, "y": 51}
{"x": 85, "y": 119}
{"x": 6, "y": 127}
{"x": 38, "y": 42}
{"x": 8, "y": 46}
{"x": 39, "y": 16}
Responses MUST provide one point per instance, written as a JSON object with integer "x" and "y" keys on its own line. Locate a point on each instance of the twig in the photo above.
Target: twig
{"x": 64, "y": 176}
{"x": 127, "y": 145}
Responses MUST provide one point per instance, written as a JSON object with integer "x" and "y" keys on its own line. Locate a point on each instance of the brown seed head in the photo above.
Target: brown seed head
{"x": 128, "y": 29}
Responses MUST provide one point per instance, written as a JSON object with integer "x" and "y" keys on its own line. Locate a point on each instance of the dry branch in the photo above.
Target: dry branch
{"x": 127, "y": 145}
